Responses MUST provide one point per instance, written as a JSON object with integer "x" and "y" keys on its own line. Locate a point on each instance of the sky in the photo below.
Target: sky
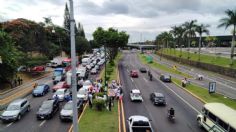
{"x": 141, "y": 19}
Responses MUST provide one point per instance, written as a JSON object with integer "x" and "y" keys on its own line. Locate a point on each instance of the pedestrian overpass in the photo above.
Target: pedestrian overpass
{"x": 142, "y": 46}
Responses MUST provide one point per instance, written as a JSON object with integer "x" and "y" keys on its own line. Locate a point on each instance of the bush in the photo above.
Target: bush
{"x": 99, "y": 94}
{"x": 99, "y": 104}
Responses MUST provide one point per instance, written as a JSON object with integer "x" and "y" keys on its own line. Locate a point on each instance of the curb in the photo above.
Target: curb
{"x": 190, "y": 92}
{"x": 70, "y": 129}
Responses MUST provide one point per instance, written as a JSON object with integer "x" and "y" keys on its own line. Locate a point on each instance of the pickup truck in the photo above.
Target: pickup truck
{"x": 139, "y": 123}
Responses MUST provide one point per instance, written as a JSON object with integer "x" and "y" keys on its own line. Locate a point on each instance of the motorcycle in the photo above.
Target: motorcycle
{"x": 171, "y": 117}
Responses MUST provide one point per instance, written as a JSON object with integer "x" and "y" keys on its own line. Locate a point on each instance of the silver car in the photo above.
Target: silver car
{"x": 15, "y": 110}
{"x": 67, "y": 111}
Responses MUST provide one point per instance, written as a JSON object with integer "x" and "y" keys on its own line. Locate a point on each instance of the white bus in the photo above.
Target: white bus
{"x": 217, "y": 117}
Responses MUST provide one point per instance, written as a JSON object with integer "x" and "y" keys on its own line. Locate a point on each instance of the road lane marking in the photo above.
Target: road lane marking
{"x": 42, "y": 123}
{"x": 132, "y": 79}
{"x": 179, "y": 97}
{"x": 119, "y": 128}
{"x": 145, "y": 79}
{"x": 123, "y": 117}
{"x": 9, "y": 124}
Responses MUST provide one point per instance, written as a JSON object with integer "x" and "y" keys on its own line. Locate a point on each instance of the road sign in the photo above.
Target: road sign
{"x": 212, "y": 87}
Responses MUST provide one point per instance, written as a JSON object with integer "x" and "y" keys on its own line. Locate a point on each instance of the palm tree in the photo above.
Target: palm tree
{"x": 230, "y": 20}
{"x": 200, "y": 29}
{"x": 178, "y": 32}
{"x": 190, "y": 32}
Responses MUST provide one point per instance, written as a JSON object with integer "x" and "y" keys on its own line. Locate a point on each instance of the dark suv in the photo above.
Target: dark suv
{"x": 157, "y": 98}
{"x": 48, "y": 109}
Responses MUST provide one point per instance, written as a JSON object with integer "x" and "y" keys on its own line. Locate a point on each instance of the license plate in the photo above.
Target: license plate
{"x": 41, "y": 117}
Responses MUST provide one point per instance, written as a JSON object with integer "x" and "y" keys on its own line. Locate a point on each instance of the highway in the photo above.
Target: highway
{"x": 186, "y": 106}
{"x": 29, "y": 123}
{"x": 224, "y": 85}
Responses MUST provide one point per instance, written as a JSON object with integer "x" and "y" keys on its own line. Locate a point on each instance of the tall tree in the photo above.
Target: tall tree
{"x": 48, "y": 21}
{"x": 200, "y": 29}
{"x": 190, "y": 32}
{"x": 230, "y": 20}
{"x": 178, "y": 32}
{"x": 10, "y": 56}
{"x": 66, "y": 18}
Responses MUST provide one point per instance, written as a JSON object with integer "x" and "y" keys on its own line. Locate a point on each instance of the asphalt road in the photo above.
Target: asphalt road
{"x": 186, "y": 106}
{"x": 29, "y": 123}
{"x": 224, "y": 85}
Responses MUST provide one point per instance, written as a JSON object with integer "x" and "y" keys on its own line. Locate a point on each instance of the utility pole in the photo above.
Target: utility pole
{"x": 73, "y": 68}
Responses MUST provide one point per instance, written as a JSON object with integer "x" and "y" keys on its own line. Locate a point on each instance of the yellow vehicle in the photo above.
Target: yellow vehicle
{"x": 217, "y": 117}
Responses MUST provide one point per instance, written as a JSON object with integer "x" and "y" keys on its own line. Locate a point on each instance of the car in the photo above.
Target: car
{"x": 157, "y": 98}
{"x": 97, "y": 67}
{"x": 38, "y": 68}
{"x": 57, "y": 79}
{"x": 143, "y": 70}
{"x": 88, "y": 67}
{"x": 41, "y": 90}
{"x": 67, "y": 111}
{"x": 165, "y": 78}
{"x": 94, "y": 71}
{"x": 61, "y": 93}
{"x": 83, "y": 93}
{"x": 135, "y": 95}
{"x": 22, "y": 68}
{"x": 60, "y": 85}
{"x": 138, "y": 123}
{"x": 133, "y": 73}
{"x": 15, "y": 110}
{"x": 47, "y": 109}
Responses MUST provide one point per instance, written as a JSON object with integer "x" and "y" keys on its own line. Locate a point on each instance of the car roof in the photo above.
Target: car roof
{"x": 136, "y": 91}
{"x": 139, "y": 118}
{"x": 48, "y": 101}
{"x": 62, "y": 89}
{"x": 17, "y": 101}
{"x": 158, "y": 94}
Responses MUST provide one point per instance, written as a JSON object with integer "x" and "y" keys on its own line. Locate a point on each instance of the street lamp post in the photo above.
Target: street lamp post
{"x": 73, "y": 68}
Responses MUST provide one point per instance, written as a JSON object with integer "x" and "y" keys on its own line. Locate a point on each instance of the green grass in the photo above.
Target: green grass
{"x": 99, "y": 121}
{"x": 210, "y": 59}
{"x": 102, "y": 121}
{"x": 143, "y": 59}
{"x": 204, "y": 95}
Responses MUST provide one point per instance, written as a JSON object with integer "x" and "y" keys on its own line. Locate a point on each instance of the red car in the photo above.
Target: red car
{"x": 133, "y": 73}
{"x": 38, "y": 68}
{"x": 60, "y": 85}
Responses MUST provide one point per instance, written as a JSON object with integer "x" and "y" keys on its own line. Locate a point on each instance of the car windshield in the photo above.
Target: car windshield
{"x": 136, "y": 94}
{"x": 39, "y": 88}
{"x": 46, "y": 105}
{"x": 86, "y": 83}
{"x": 82, "y": 91}
{"x": 13, "y": 107}
{"x": 68, "y": 106}
{"x": 59, "y": 92}
{"x": 57, "y": 73}
{"x": 167, "y": 76}
{"x": 159, "y": 97}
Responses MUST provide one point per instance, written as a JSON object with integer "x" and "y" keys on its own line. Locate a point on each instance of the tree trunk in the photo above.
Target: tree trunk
{"x": 232, "y": 46}
{"x": 199, "y": 46}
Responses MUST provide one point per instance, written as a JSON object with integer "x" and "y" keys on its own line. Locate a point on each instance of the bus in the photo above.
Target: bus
{"x": 217, "y": 117}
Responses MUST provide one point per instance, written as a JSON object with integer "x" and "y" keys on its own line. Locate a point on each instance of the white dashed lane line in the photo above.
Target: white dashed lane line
{"x": 42, "y": 123}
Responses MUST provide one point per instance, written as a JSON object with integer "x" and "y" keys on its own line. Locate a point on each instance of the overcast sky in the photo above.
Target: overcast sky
{"x": 142, "y": 19}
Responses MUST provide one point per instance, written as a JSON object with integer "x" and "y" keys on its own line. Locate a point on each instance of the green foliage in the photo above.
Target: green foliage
{"x": 82, "y": 45}
{"x": 66, "y": 23}
{"x": 35, "y": 61}
{"x": 99, "y": 104}
{"x": 10, "y": 56}
{"x": 111, "y": 38}
{"x": 99, "y": 94}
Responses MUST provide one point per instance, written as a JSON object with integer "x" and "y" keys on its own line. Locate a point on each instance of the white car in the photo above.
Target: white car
{"x": 88, "y": 67}
{"x": 83, "y": 94}
{"x": 61, "y": 93}
{"x": 94, "y": 71}
{"x": 139, "y": 123}
{"x": 135, "y": 95}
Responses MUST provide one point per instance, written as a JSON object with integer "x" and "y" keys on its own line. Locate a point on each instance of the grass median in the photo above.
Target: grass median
{"x": 102, "y": 121}
{"x": 143, "y": 59}
{"x": 198, "y": 91}
{"x": 203, "y": 94}
{"x": 210, "y": 59}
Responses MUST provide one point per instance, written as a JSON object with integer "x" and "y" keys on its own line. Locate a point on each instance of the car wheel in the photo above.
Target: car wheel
{"x": 18, "y": 117}
{"x": 28, "y": 108}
